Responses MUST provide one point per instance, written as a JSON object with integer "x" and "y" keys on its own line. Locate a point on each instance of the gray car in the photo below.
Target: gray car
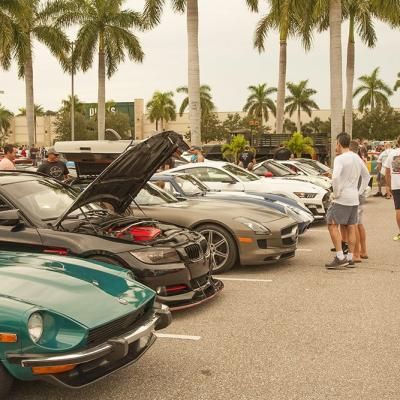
{"x": 237, "y": 232}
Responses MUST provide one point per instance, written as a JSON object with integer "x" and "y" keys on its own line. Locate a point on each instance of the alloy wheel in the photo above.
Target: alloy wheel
{"x": 219, "y": 248}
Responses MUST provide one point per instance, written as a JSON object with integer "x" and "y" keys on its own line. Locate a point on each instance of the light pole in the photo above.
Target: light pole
{"x": 72, "y": 92}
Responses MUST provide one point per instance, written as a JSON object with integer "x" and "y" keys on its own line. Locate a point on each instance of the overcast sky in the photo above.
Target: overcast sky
{"x": 228, "y": 62}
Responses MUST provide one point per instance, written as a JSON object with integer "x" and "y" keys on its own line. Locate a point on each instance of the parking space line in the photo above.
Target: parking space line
{"x": 244, "y": 279}
{"x": 305, "y": 250}
{"x": 173, "y": 336}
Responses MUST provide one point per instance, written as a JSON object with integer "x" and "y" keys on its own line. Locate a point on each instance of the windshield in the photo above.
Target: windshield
{"x": 190, "y": 185}
{"x": 308, "y": 169}
{"x": 279, "y": 169}
{"x": 240, "y": 173}
{"x": 152, "y": 195}
{"x": 45, "y": 199}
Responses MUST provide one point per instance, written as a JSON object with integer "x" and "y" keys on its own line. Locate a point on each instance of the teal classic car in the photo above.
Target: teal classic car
{"x": 70, "y": 321}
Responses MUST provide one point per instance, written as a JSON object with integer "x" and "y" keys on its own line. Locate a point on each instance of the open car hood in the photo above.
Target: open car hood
{"x": 123, "y": 179}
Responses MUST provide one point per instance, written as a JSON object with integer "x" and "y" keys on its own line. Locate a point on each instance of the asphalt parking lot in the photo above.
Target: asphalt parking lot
{"x": 287, "y": 331}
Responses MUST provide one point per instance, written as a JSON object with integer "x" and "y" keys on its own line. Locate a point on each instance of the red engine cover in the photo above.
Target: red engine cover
{"x": 144, "y": 233}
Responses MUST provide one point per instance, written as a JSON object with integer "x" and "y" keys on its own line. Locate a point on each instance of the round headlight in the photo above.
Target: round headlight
{"x": 35, "y": 327}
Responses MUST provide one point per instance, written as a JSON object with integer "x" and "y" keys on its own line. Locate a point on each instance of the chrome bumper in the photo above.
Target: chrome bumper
{"x": 115, "y": 348}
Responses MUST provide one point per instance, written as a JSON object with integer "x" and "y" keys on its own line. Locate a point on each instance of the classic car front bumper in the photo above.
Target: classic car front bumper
{"x": 97, "y": 362}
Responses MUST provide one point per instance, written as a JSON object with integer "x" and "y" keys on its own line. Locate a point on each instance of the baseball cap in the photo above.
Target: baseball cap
{"x": 52, "y": 150}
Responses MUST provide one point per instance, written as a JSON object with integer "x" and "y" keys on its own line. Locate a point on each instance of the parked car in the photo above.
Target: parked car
{"x": 272, "y": 168}
{"x": 304, "y": 169}
{"x": 71, "y": 322}
{"x": 183, "y": 186}
{"x": 229, "y": 177}
{"x": 43, "y": 215}
{"x": 322, "y": 168}
{"x": 237, "y": 232}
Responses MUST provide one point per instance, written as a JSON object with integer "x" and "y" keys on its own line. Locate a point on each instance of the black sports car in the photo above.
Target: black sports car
{"x": 40, "y": 214}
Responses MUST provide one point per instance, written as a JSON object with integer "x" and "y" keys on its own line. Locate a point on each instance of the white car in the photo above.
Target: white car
{"x": 304, "y": 169}
{"x": 225, "y": 176}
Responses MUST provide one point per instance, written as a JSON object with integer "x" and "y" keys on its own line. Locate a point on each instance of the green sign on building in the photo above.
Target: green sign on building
{"x": 121, "y": 107}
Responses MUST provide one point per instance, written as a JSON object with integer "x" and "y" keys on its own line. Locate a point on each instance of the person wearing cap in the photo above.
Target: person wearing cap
{"x": 247, "y": 158}
{"x": 53, "y": 166}
{"x": 197, "y": 155}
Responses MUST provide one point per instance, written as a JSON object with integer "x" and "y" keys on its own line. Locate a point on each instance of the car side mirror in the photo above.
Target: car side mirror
{"x": 10, "y": 218}
{"x": 268, "y": 174}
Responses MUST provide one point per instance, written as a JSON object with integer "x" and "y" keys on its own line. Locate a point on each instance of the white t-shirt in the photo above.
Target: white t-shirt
{"x": 347, "y": 170}
{"x": 382, "y": 159}
{"x": 6, "y": 165}
{"x": 393, "y": 163}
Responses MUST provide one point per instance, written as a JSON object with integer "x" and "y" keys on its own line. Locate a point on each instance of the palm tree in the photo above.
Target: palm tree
{"x": 66, "y": 105}
{"x": 360, "y": 14}
{"x": 298, "y": 145}
{"x": 31, "y": 20}
{"x": 315, "y": 125}
{"x": 161, "y": 108}
{"x": 5, "y": 123}
{"x": 259, "y": 104}
{"x": 290, "y": 18}
{"x": 207, "y": 104}
{"x": 39, "y": 111}
{"x": 105, "y": 28}
{"x": 152, "y": 13}
{"x": 231, "y": 151}
{"x": 336, "y": 75}
{"x": 375, "y": 92}
{"x": 397, "y": 84}
{"x": 300, "y": 100}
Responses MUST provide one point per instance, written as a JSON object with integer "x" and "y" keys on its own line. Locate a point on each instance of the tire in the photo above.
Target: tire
{"x": 6, "y": 381}
{"x": 228, "y": 247}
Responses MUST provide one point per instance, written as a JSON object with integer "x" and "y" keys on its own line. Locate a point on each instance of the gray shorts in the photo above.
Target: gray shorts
{"x": 342, "y": 215}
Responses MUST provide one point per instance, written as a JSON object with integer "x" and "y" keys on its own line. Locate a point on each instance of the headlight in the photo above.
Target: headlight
{"x": 256, "y": 227}
{"x": 290, "y": 212}
{"x": 35, "y": 326}
{"x": 304, "y": 195}
{"x": 157, "y": 256}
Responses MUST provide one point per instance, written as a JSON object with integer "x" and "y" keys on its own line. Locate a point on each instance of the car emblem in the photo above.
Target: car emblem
{"x": 123, "y": 301}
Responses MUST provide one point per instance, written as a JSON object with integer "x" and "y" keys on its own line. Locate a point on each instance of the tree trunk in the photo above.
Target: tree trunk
{"x": 101, "y": 102}
{"x": 194, "y": 71}
{"x": 298, "y": 119}
{"x": 335, "y": 23}
{"x": 280, "y": 101}
{"x": 350, "y": 79}
{"x": 162, "y": 124}
{"x": 30, "y": 102}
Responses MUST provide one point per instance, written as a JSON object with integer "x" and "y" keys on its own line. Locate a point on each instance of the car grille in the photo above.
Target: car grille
{"x": 114, "y": 328}
{"x": 289, "y": 235}
{"x": 287, "y": 231}
{"x": 197, "y": 251}
{"x": 199, "y": 282}
{"x": 310, "y": 195}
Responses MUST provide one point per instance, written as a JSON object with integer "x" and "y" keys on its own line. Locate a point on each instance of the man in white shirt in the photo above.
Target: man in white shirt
{"x": 10, "y": 154}
{"x": 348, "y": 168}
{"x": 382, "y": 170}
{"x": 392, "y": 166}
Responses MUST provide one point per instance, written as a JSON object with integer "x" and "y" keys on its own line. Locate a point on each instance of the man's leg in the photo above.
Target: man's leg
{"x": 352, "y": 240}
{"x": 357, "y": 250}
{"x": 363, "y": 240}
{"x": 336, "y": 237}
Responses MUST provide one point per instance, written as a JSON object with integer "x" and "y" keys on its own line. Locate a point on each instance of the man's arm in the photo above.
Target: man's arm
{"x": 337, "y": 171}
{"x": 365, "y": 177}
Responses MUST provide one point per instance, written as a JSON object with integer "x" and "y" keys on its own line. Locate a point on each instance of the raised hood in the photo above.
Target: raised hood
{"x": 122, "y": 180}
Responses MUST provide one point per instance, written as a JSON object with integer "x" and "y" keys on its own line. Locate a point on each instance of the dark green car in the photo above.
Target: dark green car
{"x": 71, "y": 321}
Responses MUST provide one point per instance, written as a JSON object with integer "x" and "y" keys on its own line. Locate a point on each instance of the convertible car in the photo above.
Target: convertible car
{"x": 40, "y": 214}
{"x": 52, "y": 327}
{"x": 237, "y": 232}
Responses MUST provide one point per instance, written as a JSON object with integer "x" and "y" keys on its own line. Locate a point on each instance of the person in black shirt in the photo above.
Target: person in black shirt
{"x": 53, "y": 166}
{"x": 247, "y": 158}
{"x": 282, "y": 153}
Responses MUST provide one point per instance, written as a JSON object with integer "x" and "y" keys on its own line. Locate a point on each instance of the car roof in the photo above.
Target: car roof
{"x": 7, "y": 177}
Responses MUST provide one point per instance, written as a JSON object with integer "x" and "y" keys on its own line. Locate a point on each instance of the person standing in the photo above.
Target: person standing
{"x": 10, "y": 154}
{"x": 282, "y": 153}
{"x": 247, "y": 158}
{"x": 53, "y": 166}
{"x": 33, "y": 155}
{"x": 382, "y": 171}
{"x": 392, "y": 166}
{"x": 348, "y": 168}
{"x": 197, "y": 155}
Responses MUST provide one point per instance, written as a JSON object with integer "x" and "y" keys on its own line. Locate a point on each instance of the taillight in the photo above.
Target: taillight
{"x": 59, "y": 252}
